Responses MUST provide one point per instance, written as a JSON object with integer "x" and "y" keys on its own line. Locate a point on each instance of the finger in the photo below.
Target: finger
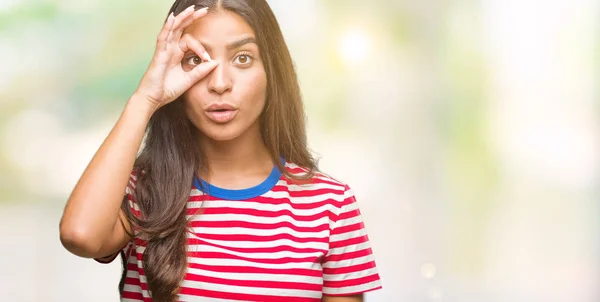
{"x": 195, "y": 16}
{"x": 188, "y": 42}
{"x": 200, "y": 71}
{"x": 179, "y": 19}
{"x": 178, "y": 29}
{"x": 161, "y": 40}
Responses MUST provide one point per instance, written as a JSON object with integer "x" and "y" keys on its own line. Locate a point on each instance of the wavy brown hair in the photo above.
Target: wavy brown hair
{"x": 171, "y": 154}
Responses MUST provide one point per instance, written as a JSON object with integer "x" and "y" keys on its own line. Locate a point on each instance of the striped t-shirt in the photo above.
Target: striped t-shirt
{"x": 277, "y": 241}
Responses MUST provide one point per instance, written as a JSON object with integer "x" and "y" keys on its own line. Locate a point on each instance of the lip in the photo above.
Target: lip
{"x": 221, "y": 113}
{"x": 220, "y": 107}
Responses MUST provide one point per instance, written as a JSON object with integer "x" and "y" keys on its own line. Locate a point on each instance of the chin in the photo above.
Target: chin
{"x": 222, "y": 133}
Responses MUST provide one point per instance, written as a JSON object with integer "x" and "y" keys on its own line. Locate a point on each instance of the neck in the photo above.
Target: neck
{"x": 244, "y": 155}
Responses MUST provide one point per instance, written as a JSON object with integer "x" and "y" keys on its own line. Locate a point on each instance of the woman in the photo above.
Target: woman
{"x": 224, "y": 202}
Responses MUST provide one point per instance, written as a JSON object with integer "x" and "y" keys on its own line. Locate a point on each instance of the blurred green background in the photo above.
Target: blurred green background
{"x": 469, "y": 131}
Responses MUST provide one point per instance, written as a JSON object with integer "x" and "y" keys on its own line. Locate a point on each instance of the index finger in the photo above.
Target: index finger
{"x": 161, "y": 40}
{"x": 187, "y": 20}
{"x": 188, "y": 42}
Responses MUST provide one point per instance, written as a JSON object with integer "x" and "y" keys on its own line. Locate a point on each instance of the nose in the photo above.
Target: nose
{"x": 220, "y": 80}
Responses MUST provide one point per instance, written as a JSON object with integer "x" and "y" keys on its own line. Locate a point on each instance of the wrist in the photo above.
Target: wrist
{"x": 140, "y": 105}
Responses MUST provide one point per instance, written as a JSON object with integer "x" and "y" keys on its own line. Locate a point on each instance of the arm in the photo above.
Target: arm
{"x": 92, "y": 224}
{"x": 354, "y": 298}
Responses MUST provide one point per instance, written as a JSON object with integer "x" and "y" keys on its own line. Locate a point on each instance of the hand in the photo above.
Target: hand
{"x": 165, "y": 80}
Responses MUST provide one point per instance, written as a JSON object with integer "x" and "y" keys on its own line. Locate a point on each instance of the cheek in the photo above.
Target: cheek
{"x": 192, "y": 104}
{"x": 195, "y": 94}
{"x": 255, "y": 90}
{"x": 249, "y": 92}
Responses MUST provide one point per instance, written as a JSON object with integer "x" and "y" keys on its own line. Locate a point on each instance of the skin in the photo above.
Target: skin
{"x": 93, "y": 224}
{"x": 207, "y": 59}
{"x": 240, "y": 81}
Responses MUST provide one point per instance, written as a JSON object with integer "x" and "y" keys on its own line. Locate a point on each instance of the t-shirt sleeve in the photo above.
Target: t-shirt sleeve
{"x": 129, "y": 190}
{"x": 349, "y": 266}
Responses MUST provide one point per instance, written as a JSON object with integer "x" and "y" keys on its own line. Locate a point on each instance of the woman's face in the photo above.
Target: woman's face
{"x": 227, "y": 102}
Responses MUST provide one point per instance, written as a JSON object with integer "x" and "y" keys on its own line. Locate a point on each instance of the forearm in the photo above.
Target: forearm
{"x": 93, "y": 207}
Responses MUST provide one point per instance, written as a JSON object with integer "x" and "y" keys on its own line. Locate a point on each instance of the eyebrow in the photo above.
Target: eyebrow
{"x": 240, "y": 43}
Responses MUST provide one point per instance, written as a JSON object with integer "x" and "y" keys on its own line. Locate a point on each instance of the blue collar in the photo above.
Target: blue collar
{"x": 241, "y": 194}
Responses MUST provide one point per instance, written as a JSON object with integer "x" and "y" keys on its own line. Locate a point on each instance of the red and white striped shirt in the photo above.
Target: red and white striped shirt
{"x": 277, "y": 241}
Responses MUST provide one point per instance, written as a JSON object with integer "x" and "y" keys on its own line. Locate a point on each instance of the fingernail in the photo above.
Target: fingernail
{"x": 171, "y": 16}
{"x": 190, "y": 8}
{"x": 201, "y": 11}
{"x": 207, "y": 56}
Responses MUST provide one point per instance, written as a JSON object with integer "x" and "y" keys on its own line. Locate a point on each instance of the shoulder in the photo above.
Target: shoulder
{"x": 322, "y": 182}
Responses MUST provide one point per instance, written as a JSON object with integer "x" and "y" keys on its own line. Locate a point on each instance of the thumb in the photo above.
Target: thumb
{"x": 202, "y": 70}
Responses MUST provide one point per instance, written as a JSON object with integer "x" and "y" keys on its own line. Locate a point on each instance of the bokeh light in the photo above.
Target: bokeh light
{"x": 468, "y": 130}
{"x": 354, "y": 46}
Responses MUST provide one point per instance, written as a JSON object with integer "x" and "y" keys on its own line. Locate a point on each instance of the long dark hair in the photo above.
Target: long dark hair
{"x": 171, "y": 154}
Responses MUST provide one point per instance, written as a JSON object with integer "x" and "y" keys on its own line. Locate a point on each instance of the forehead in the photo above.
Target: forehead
{"x": 219, "y": 28}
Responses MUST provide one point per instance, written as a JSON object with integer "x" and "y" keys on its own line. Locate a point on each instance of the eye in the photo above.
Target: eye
{"x": 243, "y": 59}
{"x": 193, "y": 60}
